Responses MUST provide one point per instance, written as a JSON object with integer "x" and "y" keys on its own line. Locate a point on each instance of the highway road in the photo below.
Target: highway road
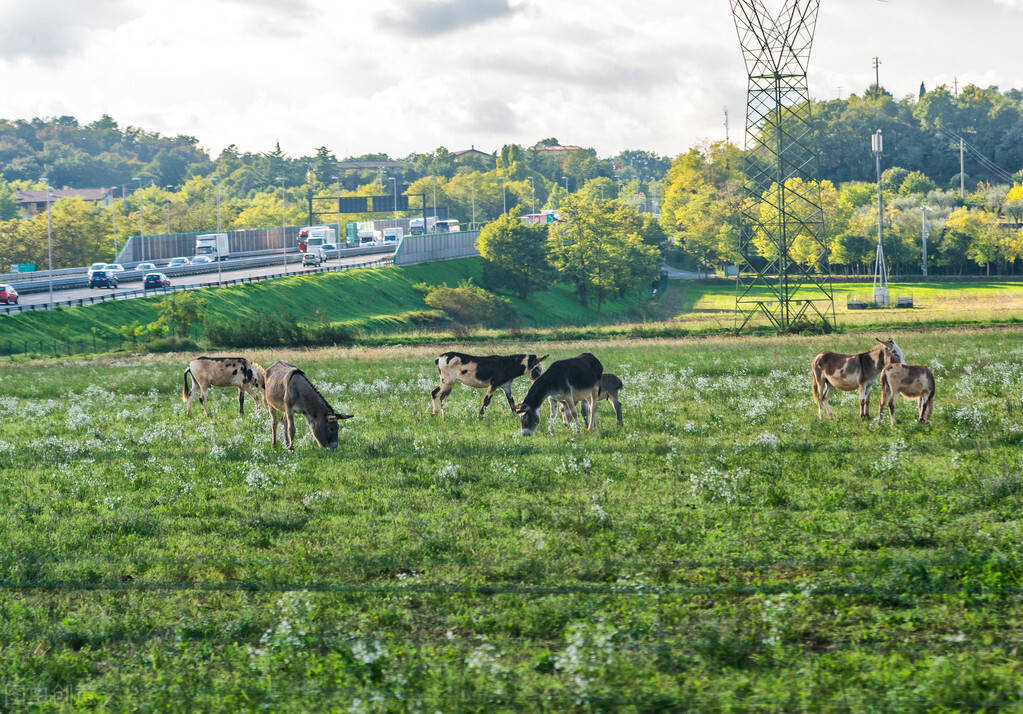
{"x": 127, "y": 289}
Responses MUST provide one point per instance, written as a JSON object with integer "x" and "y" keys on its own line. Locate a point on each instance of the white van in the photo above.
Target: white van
{"x": 393, "y": 235}
{"x": 369, "y": 239}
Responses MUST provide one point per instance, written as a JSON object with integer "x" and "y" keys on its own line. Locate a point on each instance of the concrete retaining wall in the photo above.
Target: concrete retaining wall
{"x": 439, "y": 246}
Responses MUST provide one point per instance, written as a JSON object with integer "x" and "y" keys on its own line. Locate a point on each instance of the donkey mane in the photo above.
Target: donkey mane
{"x": 313, "y": 386}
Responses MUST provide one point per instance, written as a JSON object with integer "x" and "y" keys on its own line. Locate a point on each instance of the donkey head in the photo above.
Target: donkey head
{"x": 529, "y": 418}
{"x": 325, "y": 429}
{"x": 533, "y": 367}
{"x": 891, "y": 353}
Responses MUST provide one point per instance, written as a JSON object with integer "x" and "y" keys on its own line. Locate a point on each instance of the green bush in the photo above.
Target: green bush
{"x": 172, "y": 344}
{"x": 470, "y": 304}
{"x": 267, "y": 329}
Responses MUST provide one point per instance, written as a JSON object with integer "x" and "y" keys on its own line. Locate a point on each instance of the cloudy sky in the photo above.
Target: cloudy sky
{"x": 409, "y": 75}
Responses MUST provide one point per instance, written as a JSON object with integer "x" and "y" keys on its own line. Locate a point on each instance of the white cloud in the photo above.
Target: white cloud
{"x": 407, "y": 76}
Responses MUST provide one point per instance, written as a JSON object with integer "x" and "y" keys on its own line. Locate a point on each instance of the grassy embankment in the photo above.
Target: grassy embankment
{"x": 381, "y": 307}
{"x": 723, "y": 551}
{"x": 372, "y": 302}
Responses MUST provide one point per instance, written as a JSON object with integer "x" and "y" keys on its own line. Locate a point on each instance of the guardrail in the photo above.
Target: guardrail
{"x": 132, "y": 294}
{"x": 81, "y": 280}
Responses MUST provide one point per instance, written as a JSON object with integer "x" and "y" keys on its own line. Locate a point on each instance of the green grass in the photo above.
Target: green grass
{"x": 371, "y": 301}
{"x": 724, "y": 550}
{"x": 708, "y": 305}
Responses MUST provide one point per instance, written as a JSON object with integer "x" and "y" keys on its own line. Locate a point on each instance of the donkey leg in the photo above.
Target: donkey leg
{"x": 439, "y": 395}
{"x": 508, "y": 396}
{"x": 486, "y": 400}
{"x": 202, "y": 400}
{"x": 618, "y": 409}
{"x": 930, "y": 407}
{"x": 593, "y": 402}
{"x": 825, "y": 396}
{"x": 289, "y": 416}
{"x": 241, "y": 401}
{"x": 273, "y": 428}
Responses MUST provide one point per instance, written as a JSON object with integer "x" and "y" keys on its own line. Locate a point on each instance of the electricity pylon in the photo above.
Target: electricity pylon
{"x": 784, "y": 273}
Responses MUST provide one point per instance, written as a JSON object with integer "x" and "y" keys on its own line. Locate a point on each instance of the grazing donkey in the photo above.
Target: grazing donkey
{"x": 831, "y": 371}
{"x": 289, "y": 391}
{"x": 567, "y": 380}
{"x": 209, "y": 372}
{"x": 609, "y": 387}
{"x": 490, "y": 373}
{"x": 912, "y": 381}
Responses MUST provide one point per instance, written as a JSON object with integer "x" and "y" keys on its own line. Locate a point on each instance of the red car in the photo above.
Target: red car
{"x": 8, "y": 295}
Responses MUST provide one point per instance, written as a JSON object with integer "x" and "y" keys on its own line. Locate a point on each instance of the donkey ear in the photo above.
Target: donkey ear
{"x": 344, "y": 416}
{"x": 879, "y": 340}
{"x": 541, "y": 359}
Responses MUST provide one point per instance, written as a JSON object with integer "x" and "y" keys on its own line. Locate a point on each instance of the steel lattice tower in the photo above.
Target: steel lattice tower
{"x": 784, "y": 274}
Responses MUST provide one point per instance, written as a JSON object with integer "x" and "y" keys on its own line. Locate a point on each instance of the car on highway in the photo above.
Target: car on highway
{"x": 103, "y": 279}
{"x": 330, "y": 251}
{"x": 312, "y": 258}
{"x": 201, "y": 259}
{"x": 178, "y": 262}
{"x": 96, "y": 266}
{"x": 145, "y": 266}
{"x": 8, "y": 294}
{"x": 114, "y": 268}
{"x": 155, "y": 280}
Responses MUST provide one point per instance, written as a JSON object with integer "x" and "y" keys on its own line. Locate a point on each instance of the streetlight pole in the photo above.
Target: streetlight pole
{"x": 532, "y": 195}
{"x": 49, "y": 235}
{"x": 113, "y": 216}
{"x": 220, "y": 258}
{"x": 284, "y": 227}
{"x": 924, "y": 230}
{"x": 394, "y": 181}
{"x": 337, "y": 190}
{"x": 434, "y": 198}
{"x": 142, "y": 225}
{"x": 168, "y": 202}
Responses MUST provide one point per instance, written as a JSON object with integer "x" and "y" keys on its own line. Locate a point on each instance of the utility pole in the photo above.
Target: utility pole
{"x": 877, "y": 75}
{"x": 880, "y": 269}
{"x": 726, "y": 125}
{"x": 924, "y": 230}
{"x": 962, "y": 174}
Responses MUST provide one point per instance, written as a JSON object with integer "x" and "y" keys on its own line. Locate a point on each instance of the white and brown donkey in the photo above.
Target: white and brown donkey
{"x": 832, "y": 370}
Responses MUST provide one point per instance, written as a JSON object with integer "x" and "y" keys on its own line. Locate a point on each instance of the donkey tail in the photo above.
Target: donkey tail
{"x": 185, "y": 390}
{"x": 816, "y": 376}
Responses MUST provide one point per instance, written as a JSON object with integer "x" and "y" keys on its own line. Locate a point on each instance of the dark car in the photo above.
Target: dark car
{"x": 8, "y": 294}
{"x": 155, "y": 280}
{"x": 103, "y": 279}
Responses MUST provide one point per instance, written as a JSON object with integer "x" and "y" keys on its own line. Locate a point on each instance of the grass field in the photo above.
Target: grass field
{"x": 710, "y": 304}
{"x": 724, "y": 550}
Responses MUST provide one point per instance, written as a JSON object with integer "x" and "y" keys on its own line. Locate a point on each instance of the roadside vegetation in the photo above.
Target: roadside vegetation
{"x": 724, "y": 550}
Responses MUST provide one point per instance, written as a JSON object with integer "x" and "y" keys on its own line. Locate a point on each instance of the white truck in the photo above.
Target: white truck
{"x": 393, "y": 235}
{"x": 212, "y": 244}
{"x": 315, "y": 236}
{"x": 417, "y": 226}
